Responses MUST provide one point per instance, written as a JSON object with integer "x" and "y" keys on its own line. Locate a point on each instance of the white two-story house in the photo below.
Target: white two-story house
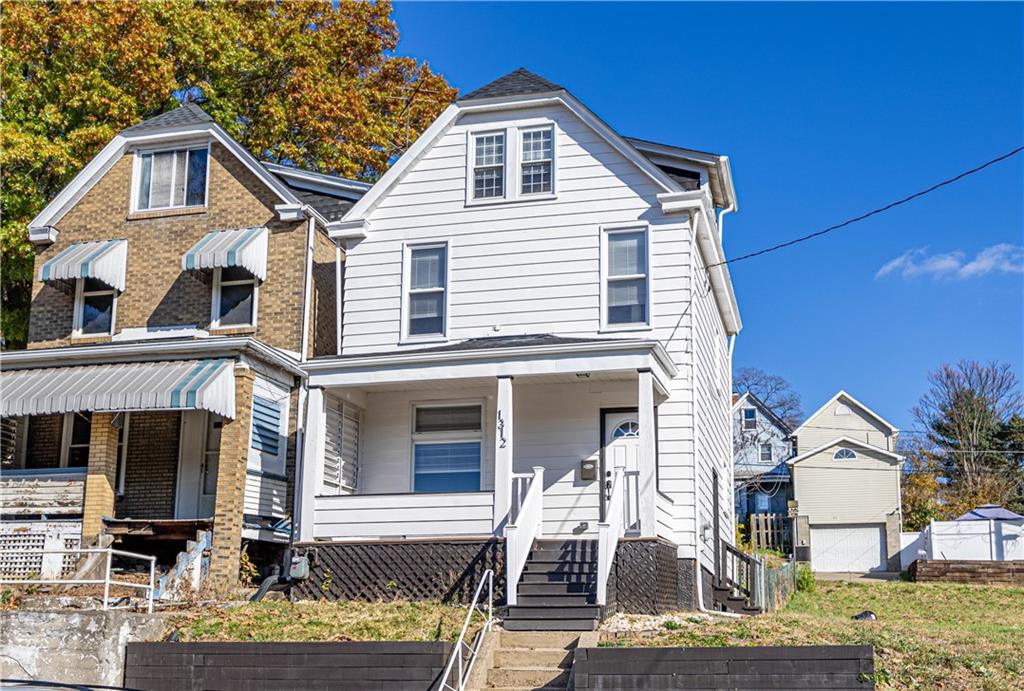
{"x": 533, "y": 369}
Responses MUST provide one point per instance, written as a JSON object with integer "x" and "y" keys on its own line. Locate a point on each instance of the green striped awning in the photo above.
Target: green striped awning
{"x": 245, "y": 248}
{"x": 103, "y": 260}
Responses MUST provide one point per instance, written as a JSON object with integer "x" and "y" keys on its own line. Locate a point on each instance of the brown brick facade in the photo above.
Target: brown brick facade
{"x": 230, "y": 501}
{"x": 102, "y": 474}
{"x": 151, "y": 465}
{"x": 324, "y": 337}
{"x": 157, "y": 292}
{"x": 42, "y": 449}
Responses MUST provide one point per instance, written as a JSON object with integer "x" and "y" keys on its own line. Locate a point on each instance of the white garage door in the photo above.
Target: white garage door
{"x": 858, "y": 548}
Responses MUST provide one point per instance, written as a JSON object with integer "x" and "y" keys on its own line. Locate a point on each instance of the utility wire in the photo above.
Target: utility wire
{"x": 869, "y": 214}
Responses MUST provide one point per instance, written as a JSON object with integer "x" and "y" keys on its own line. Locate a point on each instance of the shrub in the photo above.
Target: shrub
{"x": 804, "y": 578}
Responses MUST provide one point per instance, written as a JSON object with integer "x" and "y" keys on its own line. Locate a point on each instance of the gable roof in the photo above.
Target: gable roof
{"x": 516, "y": 83}
{"x": 188, "y": 114}
{"x": 845, "y": 441}
{"x": 842, "y": 394}
{"x": 758, "y": 403}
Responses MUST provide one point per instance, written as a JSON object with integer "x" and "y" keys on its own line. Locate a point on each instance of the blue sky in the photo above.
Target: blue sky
{"x": 826, "y": 111}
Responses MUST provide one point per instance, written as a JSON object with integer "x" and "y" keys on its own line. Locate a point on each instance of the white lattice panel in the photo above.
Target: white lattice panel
{"x": 17, "y": 537}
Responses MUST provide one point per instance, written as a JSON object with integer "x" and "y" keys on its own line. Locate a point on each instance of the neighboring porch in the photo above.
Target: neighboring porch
{"x": 148, "y": 455}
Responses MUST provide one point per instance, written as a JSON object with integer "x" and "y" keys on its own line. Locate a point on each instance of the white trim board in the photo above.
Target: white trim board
{"x": 844, "y": 441}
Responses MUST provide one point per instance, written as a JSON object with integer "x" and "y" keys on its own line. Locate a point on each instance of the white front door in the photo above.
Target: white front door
{"x": 198, "y": 457}
{"x": 622, "y": 450}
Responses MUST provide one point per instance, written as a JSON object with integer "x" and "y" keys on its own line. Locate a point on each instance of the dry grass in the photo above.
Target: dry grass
{"x": 323, "y": 621}
{"x": 927, "y": 636}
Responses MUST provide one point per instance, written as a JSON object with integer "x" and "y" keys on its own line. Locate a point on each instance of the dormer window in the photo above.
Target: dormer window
{"x": 537, "y": 160}
{"x": 171, "y": 179}
{"x": 234, "y": 297}
{"x": 489, "y": 165}
{"x": 844, "y": 454}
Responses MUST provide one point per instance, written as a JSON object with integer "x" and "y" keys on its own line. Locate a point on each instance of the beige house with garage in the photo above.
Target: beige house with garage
{"x": 846, "y": 476}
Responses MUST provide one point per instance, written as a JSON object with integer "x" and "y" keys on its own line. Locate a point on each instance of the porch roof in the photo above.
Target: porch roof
{"x": 493, "y": 357}
{"x": 179, "y": 385}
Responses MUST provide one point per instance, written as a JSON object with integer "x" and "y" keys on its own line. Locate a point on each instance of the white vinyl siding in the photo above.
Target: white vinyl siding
{"x": 860, "y": 490}
{"x": 341, "y": 449}
{"x": 834, "y": 422}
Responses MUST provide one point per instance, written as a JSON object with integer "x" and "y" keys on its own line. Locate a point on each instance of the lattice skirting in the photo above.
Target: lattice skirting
{"x": 445, "y": 571}
{"x": 649, "y": 579}
{"x": 18, "y": 536}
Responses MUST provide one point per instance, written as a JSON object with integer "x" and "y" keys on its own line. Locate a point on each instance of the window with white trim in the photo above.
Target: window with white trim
{"x": 341, "y": 448}
{"x": 489, "y": 165}
{"x": 95, "y": 306}
{"x": 626, "y": 289}
{"x": 749, "y": 419}
{"x": 536, "y": 160}
{"x": 844, "y": 454}
{"x": 447, "y": 447}
{"x": 426, "y": 290}
{"x": 211, "y": 453}
{"x": 171, "y": 179}
{"x": 75, "y": 440}
{"x": 762, "y": 502}
{"x": 766, "y": 452}
{"x": 234, "y": 297}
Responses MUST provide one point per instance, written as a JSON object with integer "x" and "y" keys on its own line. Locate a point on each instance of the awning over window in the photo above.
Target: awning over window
{"x": 245, "y": 248}
{"x": 103, "y": 260}
{"x": 181, "y": 385}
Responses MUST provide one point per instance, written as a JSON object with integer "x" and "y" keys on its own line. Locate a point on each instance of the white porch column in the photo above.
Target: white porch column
{"x": 311, "y": 470}
{"x": 648, "y": 454}
{"x": 503, "y": 453}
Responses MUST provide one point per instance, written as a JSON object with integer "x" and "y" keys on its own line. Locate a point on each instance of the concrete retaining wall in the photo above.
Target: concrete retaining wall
{"x": 72, "y": 647}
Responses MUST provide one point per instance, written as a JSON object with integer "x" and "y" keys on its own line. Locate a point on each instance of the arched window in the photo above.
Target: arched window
{"x": 842, "y": 409}
{"x": 844, "y": 454}
{"x": 628, "y": 429}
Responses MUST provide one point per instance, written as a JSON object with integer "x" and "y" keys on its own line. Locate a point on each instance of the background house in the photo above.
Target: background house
{"x": 761, "y": 446}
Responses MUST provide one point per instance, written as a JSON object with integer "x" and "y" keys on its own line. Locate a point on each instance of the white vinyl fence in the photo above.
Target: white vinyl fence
{"x": 964, "y": 540}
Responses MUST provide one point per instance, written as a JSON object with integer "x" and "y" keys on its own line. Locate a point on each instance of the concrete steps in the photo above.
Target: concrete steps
{"x": 532, "y": 660}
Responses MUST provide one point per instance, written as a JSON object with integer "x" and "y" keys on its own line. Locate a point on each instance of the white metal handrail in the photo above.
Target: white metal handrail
{"x": 456, "y": 663}
{"x": 106, "y": 581}
{"x": 520, "y": 533}
{"x": 608, "y": 533}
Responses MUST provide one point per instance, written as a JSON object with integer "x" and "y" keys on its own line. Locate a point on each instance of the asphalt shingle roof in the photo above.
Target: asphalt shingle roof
{"x": 330, "y": 207}
{"x": 188, "y": 114}
{"x": 516, "y": 83}
{"x": 493, "y": 343}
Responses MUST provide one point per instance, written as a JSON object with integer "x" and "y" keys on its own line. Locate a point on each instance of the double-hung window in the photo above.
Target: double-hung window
{"x": 427, "y": 289}
{"x": 766, "y": 453}
{"x": 95, "y": 304}
{"x": 626, "y": 290}
{"x": 446, "y": 449}
{"x": 234, "y": 297}
{"x": 170, "y": 179}
{"x": 749, "y": 418}
{"x": 489, "y": 165}
{"x": 536, "y": 161}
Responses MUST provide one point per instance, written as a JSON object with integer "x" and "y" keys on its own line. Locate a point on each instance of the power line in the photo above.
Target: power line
{"x": 879, "y": 210}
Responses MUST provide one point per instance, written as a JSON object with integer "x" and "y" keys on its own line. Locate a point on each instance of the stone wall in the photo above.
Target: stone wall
{"x": 973, "y": 572}
{"x": 84, "y": 647}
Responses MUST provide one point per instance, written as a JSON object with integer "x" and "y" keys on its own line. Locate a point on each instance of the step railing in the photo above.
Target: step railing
{"x": 522, "y": 531}
{"x": 463, "y": 657}
{"x": 609, "y": 531}
{"x": 740, "y": 571}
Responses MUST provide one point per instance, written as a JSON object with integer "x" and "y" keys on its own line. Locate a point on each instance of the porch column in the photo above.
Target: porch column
{"x": 101, "y": 475}
{"x": 311, "y": 468}
{"x": 503, "y": 453}
{"x": 648, "y": 453}
{"x": 229, "y": 503}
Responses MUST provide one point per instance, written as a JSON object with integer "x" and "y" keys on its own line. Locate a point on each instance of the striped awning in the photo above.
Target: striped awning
{"x": 180, "y": 385}
{"x": 245, "y": 248}
{"x": 103, "y": 260}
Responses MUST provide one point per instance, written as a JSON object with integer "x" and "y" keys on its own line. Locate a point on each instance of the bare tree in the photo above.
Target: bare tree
{"x": 774, "y": 391}
{"x": 965, "y": 410}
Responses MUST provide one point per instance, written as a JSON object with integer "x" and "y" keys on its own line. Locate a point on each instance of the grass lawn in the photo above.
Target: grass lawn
{"x": 927, "y": 636}
{"x": 323, "y": 621}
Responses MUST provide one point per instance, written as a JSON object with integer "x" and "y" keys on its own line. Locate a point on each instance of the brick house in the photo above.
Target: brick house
{"x": 179, "y": 284}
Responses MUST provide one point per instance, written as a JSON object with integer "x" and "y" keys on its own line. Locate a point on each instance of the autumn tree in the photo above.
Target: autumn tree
{"x": 310, "y": 83}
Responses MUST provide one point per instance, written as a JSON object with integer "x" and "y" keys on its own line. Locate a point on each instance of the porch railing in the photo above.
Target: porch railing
{"x": 740, "y": 572}
{"x": 106, "y": 581}
{"x": 522, "y": 531}
{"x": 609, "y": 531}
{"x": 463, "y": 654}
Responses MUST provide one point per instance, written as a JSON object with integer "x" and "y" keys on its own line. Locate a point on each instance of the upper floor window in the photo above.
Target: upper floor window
{"x": 489, "y": 165}
{"x": 842, "y": 409}
{"x": 844, "y": 454}
{"x": 626, "y": 285}
{"x": 766, "y": 452}
{"x": 537, "y": 160}
{"x": 95, "y": 304}
{"x": 168, "y": 179}
{"x": 749, "y": 418}
{"x": 427, "y": 283}
{"x": 234, "y": 297}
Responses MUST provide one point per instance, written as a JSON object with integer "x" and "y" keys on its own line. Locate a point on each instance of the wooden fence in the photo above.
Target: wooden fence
{"x": 805, "y": 667}
{"x": 352, "y": 666}
{"x": 770, "y": 531}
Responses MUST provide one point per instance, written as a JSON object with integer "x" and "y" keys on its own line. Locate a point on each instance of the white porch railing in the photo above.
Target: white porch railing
{"x": 458, "y": 662}
{"x": 106, "y": 581}
{"x": 522, "y": 531}
{"x": 608, "y": 533}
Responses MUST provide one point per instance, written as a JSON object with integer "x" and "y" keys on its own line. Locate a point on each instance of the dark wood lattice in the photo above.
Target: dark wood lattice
{"x": 445, "y": 571}
{"x": 647, "y": 577}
